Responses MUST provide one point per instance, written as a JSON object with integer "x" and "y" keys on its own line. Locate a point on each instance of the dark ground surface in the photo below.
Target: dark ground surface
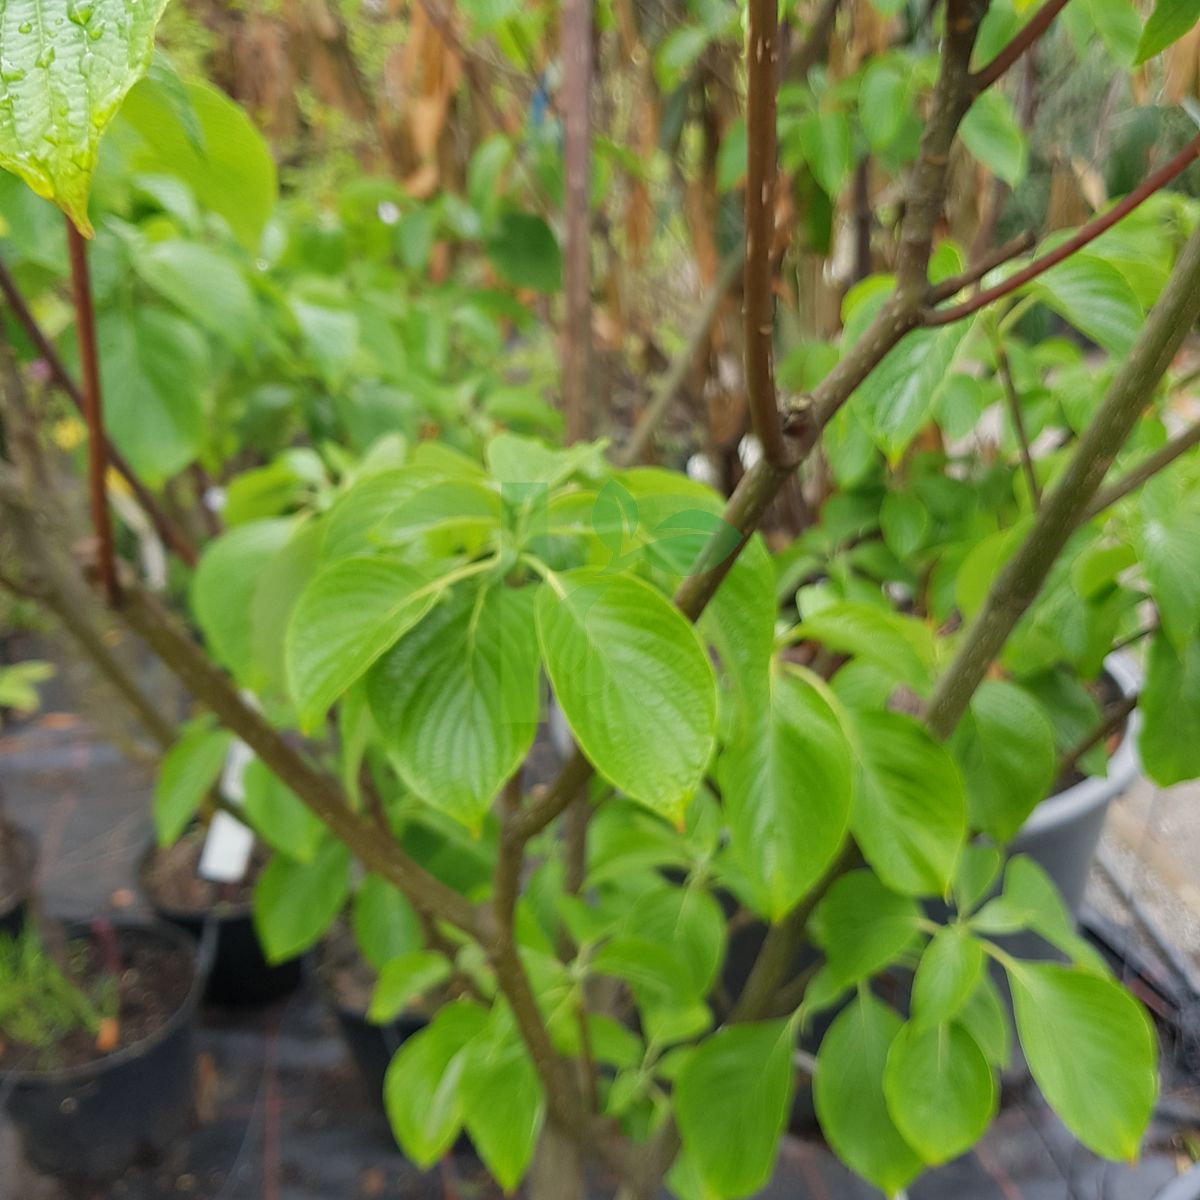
{"x": 283, "y": 1116}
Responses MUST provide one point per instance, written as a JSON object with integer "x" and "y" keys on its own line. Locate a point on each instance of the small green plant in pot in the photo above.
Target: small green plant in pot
{"x": 838, "y": 791}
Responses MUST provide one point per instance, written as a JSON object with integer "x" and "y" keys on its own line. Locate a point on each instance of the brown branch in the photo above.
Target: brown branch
{"x": 1024, "y": 39}
{"x": 1023, "y": 575}
{"x": 1004, "y": 370}
{"x": 577, "y": 92}
{"x": 85, "y": 325}
{"x": 1021, "y": 244}
{"x": 320, "y": 792}
{"x": 1162, "y": 458}
{"x": 1153, "y": 182}
{"x": 170, "y": 533}
{"x": 762, "y": 57}
{"x": 677, "y": 372}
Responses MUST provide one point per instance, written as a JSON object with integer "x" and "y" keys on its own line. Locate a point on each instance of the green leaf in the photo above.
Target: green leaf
{"x": 456, "y": 699}
{"x": 901, "y": 645}
{"x": 422, "y": 1088}
{"x": 330, "y": 336}
{"x": 524, "y": 250}
{"x": 18, "y": 684}
{"x": 1169, "y": 21}
{"x": 358, "y": 512}
{"x": 910, "y": 810}
{"x": 827, "y": 144}
{"x": 1091, "y": 1049}
{"x": 940, "y": 1090}
{"x": 282, "y": 580}
{"x": 324, "y": 652}
{"x": 787, "y": 782}
{"x": 659, "y": 973}
{"x": 279, "y": 816}
{"x": 202, "y": 284}
{"x": 689, "y": 921}
{"x": 731, "y": 1102}
{"x": 1167, "y": 541}
{"x": 899, "y": 396}
{"x": 985, "y": 1017}
{"x": 882, "y": 103}
{"x": 224, "y": 586}
{"x": 1005, "y": 747}
{"x": 503, "y": 1106}
{"x": 947, "y": 976}
{"x": 1170, "y": 703}
{"x": 1094, "y": 297}
{"x": 385, "y": 924}
{"x": 295, "y": 903}
{"x": 678, "y": 53}
{"x": 991, "y": 133}
{"x": 191, "y": 766}
{"x": 1120, "y": 26}
{"x": 403, "y": 979}
{"x": 634, "y": 682}
{"x": 230, "y": 169}
{"x": 151, "y": 371}
{"x": 849, "y": 1097}
{"x": 863, "y": 927}
{"x": 904, "y": 520}
{"x": 67, "y": 67}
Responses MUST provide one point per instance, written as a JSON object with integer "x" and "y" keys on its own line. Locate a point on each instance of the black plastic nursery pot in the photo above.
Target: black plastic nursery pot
{"x": 240, "y": 976}
{"x": 92, "y": 1122}
{"x": 17, "y": 862}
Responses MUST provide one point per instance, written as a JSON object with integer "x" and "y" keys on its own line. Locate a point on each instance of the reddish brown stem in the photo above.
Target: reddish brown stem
{"x": 986, "y": 76}
{"x": 170, "y": 533}
{"x": 762, "y": 51}
{"x": 85, "y": 322}
{"x": 1153, "y": 182}
{"x": 1019, "y": 245}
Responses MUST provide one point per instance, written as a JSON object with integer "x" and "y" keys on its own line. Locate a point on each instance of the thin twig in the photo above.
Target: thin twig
{"x": 85, "y": 323}
{"x": 676, "y": 373}
{"x": 1110, "y": 722}
{"x": 1154, "y": 182}
{"x": 1162, "y": 458}
{"x": 1021, "y": 244}
{"x": 1026, "y": 37}
{"x": 1012, "y": 396}
{"x": 170, "y": 533}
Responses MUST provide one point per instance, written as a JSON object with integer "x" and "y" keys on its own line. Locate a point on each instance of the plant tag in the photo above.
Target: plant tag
{"x": 229, "y": 844}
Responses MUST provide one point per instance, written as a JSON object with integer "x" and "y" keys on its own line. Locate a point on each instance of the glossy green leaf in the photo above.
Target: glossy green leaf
{"x": 203, "y": 284}
{"x": 279, "y": 816}
{"x": 324, "y": 651}
{"x": 403, "y": 979}
{"x": 947, "y": 975}
{"x": 385, "y": 924}
{"x": 634, "y": 682}
{"x": 1166, "y": 542}
{"x": 191, "y": 766}
{"x": 731, "y": 1102}
{"x": 295, "y": 903}
{"x": 456, "y": 699}
{"x": 863, "y": 927}
{"x": 985, "y": 1016}
{"x": 659, "y": 973}
{"x": 503, "y": 1107}
{"x": 910, "y": 809}
{"x": 901, "y": 645}
{"x": 689, "y": 921}
{"x": 1005, "y": 747}
{"x": 216, "y": 151}
{"x": 827, "y": 143}
{"x": 224, "y": 587}
{"x": 940, "y": 1089}
{"x": 787, "y": 782}
{"x": 151, "y": 372}
{"x": 67, "y": 67}
{"x": 1170, "y": 703}
{"x": 524, "y": 250}
{"x": 849, "y": 1096}
{"x": 1091, "y": 1049}
{"x": 1094, "y": 297}
{"x": 882, "y": 103}
{"x": 991, "y": 133}
{"x": 904, "y": 520}
{"x": 1169, "y": 21}
{"x": 422, "y": 1089}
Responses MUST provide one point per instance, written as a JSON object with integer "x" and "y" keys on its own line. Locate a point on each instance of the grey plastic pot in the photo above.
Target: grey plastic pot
{"x": 1186, "y": 1187}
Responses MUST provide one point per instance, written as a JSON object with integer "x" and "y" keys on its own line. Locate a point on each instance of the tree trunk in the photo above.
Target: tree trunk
{"x": 557, "y": 1172}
